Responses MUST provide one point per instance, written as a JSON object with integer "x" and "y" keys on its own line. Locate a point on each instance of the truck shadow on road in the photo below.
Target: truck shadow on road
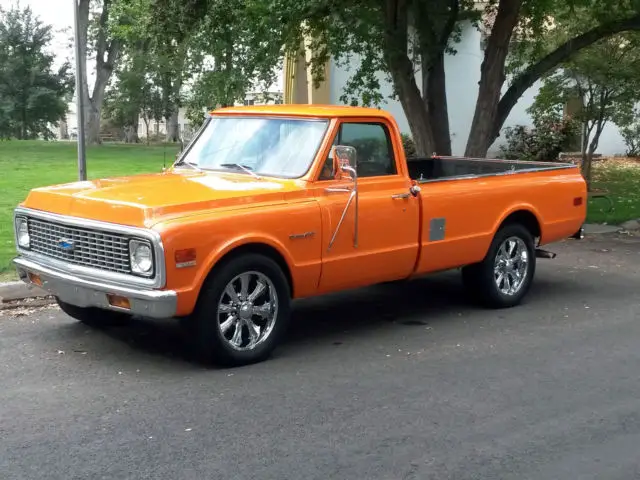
{"x": 437, "y": 300}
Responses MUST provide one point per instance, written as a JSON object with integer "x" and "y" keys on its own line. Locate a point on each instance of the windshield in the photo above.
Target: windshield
{"x": 277, "y": 147}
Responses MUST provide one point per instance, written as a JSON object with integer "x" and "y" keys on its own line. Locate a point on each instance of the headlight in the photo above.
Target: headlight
{"x": 141, "y": 256}
{"x": 22, "y": 233}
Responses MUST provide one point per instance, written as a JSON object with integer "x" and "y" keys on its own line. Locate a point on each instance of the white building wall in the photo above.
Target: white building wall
{"x": 462, "y": 77}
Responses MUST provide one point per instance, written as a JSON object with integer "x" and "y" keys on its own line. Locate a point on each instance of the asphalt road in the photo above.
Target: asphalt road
{"x": 394, "y": 382}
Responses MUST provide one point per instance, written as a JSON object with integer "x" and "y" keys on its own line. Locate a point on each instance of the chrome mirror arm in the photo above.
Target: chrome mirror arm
{"x": 354, "y": 193}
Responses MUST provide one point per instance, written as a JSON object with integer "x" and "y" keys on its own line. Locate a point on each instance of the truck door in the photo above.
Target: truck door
{"x": 388, "y": 215}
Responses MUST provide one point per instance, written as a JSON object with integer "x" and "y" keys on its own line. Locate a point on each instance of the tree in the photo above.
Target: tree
{"x": 242, "y": 49}
{"x": 535, "y": 56}
{"x": 134, "y": 93}
{"x": 628, "y": 119}
{"x": 399, "y": 37}
{"x": 604, "y": 77}
{"x": 226, "y": 47}
{"x": 95, "y": 38}
{"x": 161, "y": 26}
{"x": 32, "y": 94}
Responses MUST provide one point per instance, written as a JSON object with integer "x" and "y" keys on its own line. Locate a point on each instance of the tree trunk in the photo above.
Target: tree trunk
{"x": 64, "y": 129}
{"x": 492, "y": 78}
{"x": 434, "y": 91}
{"x": 131, "y": 134}
{"x": 146, "y": 128}
{"x": 92, "y": 121}
{"x": 172, "y": 126}
{"x": 402, "y": 73}
{"x": 585, "y": 168}
{"x": 106, "y": 54}
{"x": 417, "y": 116}
{"x": 171, "y": 92}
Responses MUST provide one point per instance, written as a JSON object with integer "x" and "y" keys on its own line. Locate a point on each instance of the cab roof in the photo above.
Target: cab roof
{"x": 305, "y": 110}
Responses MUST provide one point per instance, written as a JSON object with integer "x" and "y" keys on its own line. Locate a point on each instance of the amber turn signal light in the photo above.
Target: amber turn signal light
{"x": 185, "y": 258}
{"x": 35, "y": 279}
{"x": 118, "y": 301}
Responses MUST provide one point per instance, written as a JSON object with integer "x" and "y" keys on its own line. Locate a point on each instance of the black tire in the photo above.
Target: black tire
{"x": 95, "y": 317}
{"x": 479, "y": 279}
{"x": 209, "y": 343}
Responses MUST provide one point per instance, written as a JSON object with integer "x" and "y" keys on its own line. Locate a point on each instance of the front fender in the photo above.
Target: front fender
{"x": 215, "y": 236}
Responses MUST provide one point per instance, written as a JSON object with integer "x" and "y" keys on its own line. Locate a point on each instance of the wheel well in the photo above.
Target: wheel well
{"x": 260, "y": 249}
{"x": 526, "y": 219}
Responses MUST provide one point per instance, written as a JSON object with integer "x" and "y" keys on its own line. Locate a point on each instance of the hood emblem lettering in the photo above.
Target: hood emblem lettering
{"x": 66, "y": 244}
{"x": 301, "y": 236}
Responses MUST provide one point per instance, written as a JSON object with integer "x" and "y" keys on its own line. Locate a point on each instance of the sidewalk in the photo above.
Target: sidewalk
{"x": 17, "y": 291}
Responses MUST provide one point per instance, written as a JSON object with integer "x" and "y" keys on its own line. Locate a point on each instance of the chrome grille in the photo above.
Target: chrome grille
{"x": 87, "y": 247}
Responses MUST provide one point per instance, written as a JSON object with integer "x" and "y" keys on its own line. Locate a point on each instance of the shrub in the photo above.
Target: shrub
{"x": 542, "y": 143}
{"x": 409, "y": 145}
{"x": 631, "y": 136}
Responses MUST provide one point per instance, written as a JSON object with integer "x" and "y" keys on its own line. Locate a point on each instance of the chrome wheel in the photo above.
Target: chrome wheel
{"x": 511, "y": 266}
{"x": 247, "y": 310}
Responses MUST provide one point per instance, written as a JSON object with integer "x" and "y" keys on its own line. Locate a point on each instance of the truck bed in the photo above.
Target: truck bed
{"x": 435, "y": 169}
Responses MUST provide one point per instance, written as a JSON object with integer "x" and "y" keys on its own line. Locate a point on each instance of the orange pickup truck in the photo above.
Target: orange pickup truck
{"x": 273, "y": 203}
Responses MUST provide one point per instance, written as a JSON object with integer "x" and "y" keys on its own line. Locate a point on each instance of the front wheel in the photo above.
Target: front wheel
{"x": 505, "y": 275}
{"x": 242, "y": 312}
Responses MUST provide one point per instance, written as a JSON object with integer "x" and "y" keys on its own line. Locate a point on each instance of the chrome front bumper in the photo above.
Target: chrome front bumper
{"x": 86, "y": 293}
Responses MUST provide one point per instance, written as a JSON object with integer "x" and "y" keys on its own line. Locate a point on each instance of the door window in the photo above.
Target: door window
{"x": 373, "y": 146}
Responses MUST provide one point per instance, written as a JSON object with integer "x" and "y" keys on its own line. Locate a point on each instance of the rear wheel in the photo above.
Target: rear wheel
{"x": 504, "y": 277}
{"x": 242, "y": 312}
{"x": 95, "y": 317}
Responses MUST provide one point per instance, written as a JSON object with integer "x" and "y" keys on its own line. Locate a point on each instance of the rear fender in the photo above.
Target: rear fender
{"x": 522, "y": 209}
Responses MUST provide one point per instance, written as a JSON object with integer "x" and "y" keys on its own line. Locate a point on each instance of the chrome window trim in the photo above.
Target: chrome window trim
{"x": 555, "y": 167}
{"x": 216, "y": 115}
{"x": 90, "y": 273}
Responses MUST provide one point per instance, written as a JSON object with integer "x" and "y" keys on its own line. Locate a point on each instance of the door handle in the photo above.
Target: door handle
{"x": 337, "y": 190}
{"x": 399, "y": 196}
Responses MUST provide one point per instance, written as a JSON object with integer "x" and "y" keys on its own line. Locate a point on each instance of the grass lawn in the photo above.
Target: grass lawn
{"x": 26, "y": 165}
{"x": 621, "y": 178}
{"x": 29, "y": 164}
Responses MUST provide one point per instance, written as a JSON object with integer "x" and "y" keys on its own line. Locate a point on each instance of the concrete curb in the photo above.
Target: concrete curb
{"x": 15, "y": 292}
{"x": 27, "y": 303}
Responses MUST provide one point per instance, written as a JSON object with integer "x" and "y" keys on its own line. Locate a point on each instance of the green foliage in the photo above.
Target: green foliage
{"x": 359, "y": 36}
{"x": 134, "y": 93}
{"x": 603, "y": 78}
{"x": 225, "y": 48}
{"x": 408, "y": 145}
{"x": 544, "y": 25}
{"x": 32, "y": 95}
{"x": 542, "y": 143}
{"x": 628, "y": 119}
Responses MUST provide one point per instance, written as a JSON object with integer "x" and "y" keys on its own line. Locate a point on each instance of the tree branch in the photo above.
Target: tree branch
{"x": 565, "y": 51}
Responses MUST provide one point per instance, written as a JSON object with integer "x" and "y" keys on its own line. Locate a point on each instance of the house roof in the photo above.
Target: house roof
{"x": 306, "y": 110}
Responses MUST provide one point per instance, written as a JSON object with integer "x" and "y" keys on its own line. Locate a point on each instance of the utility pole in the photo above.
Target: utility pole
{"x": 80, "y": 74}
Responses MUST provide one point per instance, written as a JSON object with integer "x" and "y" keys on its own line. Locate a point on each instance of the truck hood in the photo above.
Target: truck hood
{"x": 144, "y": 200}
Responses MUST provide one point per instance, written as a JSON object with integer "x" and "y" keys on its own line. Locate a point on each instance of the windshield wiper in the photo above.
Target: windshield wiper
{"x": 241, "y": 167}
{"x": 192, "y": 165}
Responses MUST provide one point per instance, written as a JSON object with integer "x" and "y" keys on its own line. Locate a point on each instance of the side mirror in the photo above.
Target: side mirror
{"x": 344, "y": 162}
{"x": 344, "y": 166}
